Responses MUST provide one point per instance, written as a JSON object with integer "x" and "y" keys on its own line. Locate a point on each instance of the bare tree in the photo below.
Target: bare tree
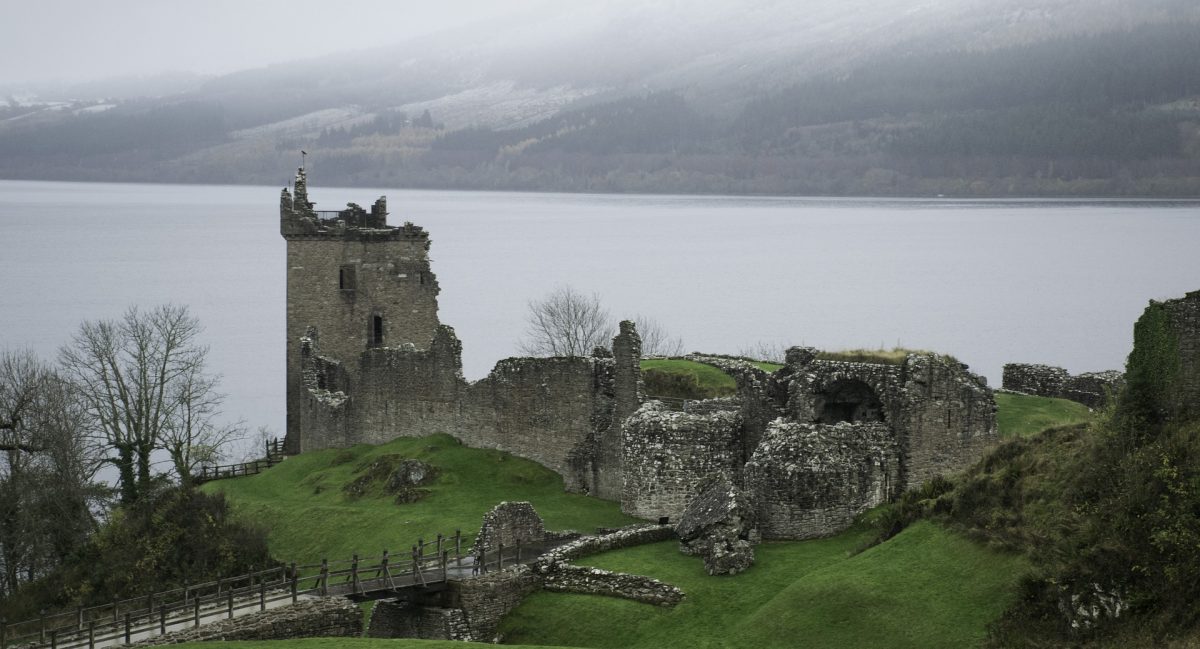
{"x": 656, "y": 340}
{"x": 48, "y": 490}
{"x": 566, "y": 323}
{"x": 194, "y": 434}
{"x": 138, "y": 377}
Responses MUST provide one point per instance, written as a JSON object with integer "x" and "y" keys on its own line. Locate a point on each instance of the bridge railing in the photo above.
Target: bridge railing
{"x": 119, "y": 622}
{"x": 509, "y": 555}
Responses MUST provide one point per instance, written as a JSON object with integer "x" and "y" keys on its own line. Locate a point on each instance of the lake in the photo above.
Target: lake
{"x": 1058, "y": 282}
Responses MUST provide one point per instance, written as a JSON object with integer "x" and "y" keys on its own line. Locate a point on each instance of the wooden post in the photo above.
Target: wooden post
{"x": 149, "y": 604}
{"x": 295, "y": 577}
{"x": 162, "y": 619}
{"x": 439, "y": 544}
{"x": 3, "y": 633}
{"x": 196, "y": 613}
{"x": 415, "y": 563}
{"x": 383, "y": 565}
{"x": 445, "y": 564}
{"x": 262, "y": 594}
{"x": 54, "y": 639}
{"x": 229, "y": 602}
{"x": 79, "y": 616}
{"x": 116, "y": 615}
{"x": 420, "y": 547}
{"x": 127, "y": 634}
{"x": 458, "y": 544}
{"x": 91, "y": 634}
{"x": 354, "y": 574}
{"x": 324, "y": 577}
{"x": 42, "y": 632}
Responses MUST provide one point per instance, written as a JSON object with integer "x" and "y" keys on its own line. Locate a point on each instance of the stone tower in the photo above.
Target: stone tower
{"x": 353, "y": 282}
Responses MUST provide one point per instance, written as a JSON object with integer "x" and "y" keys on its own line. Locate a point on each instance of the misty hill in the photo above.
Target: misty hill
{"x": 887, "y": 97}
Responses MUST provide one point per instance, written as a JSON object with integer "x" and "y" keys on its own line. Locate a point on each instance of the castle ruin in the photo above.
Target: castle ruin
{"x": 812, "y": 444}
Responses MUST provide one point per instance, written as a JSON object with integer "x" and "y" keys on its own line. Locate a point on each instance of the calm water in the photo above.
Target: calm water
{"x": 1059, "y": 282}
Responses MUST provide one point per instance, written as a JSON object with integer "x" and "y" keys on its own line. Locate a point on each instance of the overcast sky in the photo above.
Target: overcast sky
{"x": 79, "y": 40}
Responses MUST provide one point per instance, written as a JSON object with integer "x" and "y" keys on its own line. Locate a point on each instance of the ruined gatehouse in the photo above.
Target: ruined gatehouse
{"x": 812, "y": 444}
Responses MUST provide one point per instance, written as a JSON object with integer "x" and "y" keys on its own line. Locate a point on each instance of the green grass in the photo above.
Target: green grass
{"x": 307, "y": 517}
{"x": 766, "y": 366}
{"x": 339, "y": 643}
{"x": 683, "y": 379}
{"x": 1020, "y": 415}
{"x": 894, "y": 356}
{"x": 927, "y": 587}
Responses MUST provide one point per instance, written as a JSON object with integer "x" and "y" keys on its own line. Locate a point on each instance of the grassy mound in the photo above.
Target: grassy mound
{"x": 1020, "y": 415}
{"x": 308, "y": 515}
{"x": 684, "y": 379}
{"x": 894, "y": 356}
{"x": 925, "y": 588}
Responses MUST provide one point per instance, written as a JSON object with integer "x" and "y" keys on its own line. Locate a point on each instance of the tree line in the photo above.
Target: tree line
{"x": 122, "y": 393}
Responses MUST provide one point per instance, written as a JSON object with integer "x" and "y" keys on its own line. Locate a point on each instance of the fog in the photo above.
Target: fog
{"x": 74, "y": 40}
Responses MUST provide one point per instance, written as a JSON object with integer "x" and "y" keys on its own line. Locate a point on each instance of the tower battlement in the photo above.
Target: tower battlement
{"x": 299, "y": 220}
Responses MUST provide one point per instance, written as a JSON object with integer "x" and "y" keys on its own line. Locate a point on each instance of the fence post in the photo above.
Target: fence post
{"x": 420, "y": 548}
{"x": 79, "y": 616}
{"x": 294, "y": 578}
{"x": 324, "y": 577}
{"x": 127, "y": 634}
{"x": 196, "y": 612}
{"x": 150, "y": 605}
{"x": 458, "y": 544}
{"x": 415, "y": 563}
{"x": 91, "y": 634}
{"x": 42, "y": 632}
{"x": 354, "y": 574}
{"x": 445, "y": 564}
{"x": 229, "y": 602}
{"x": 262, "y": 594}
{"x": 54, "y": 639}
{"x": 162, "y": 619}
{"x": 439, "y": 544}
{"x": 3, "y": 633}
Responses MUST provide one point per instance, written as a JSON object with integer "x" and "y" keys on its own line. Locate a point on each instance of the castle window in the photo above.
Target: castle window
{"x": 348, "y": 278}
{"x": 850, "y": 400}
{"x": 376, "y": 330}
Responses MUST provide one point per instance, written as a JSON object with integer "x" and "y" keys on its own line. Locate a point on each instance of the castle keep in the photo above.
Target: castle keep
{"x": 808, "y": 446}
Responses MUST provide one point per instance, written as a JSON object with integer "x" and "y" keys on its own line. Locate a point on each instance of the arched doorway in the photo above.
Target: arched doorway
{"x": 849, "y": 400}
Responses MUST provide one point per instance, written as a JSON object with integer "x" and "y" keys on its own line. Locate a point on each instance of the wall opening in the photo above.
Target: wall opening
{"x": 347, "y": 278}
{"x": 850, "y": 400}
{"x": 376, "y": 330}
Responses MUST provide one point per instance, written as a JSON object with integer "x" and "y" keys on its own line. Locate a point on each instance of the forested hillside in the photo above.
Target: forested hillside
{"x": 957, "y": 103}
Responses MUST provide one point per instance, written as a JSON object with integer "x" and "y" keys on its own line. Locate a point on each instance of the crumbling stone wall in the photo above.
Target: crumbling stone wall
{"x": 1164, "y": 367}
{"x": 760, "y": 397}
{"x": 507, "y": 524}
{"x": 401, "y": 619}
{"x": 1092, "y": 389}
{"x": 811, "y": 480}
{"x": 668, "y": 453}
{"x": 596, "y": 581}
{"x": 319, "y": 617}
{"x": 486, "y": 599}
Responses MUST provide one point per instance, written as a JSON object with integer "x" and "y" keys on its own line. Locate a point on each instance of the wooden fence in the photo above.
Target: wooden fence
{"x": 429, "y": 563}
{"x": 274, "y": 455}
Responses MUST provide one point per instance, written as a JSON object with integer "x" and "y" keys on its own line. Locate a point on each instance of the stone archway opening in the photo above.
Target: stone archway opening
{"x": 850, "y": 400}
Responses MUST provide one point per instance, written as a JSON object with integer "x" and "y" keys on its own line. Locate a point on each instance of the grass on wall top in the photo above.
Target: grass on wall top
{"x": 1020, "y": 415}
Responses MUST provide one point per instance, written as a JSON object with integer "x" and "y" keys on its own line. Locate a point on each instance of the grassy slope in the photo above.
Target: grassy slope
{"x": 1020, "y": 415}
{"x": 338, "y": 643}
{"x": 301, "y": 503}
{"x": 708, "y": 378}
{"x": 926, "y": 588}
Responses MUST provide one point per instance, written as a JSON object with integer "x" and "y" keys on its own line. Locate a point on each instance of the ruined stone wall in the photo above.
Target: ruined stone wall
{"x": 410, "y": 392}
{"x": 948, "y": 418}
{"x": 320, "y": 617}
{"x": 811, "y": 480}
{"x": 595, "y": 581}
{"x": 401, "y": 619}
{"x": 628, "y": 393}
{"x": 1092, "y": 389}
{"x": 538, "y": 408}
{"x": 1185, "y": 322}
{"x": 668, "y": 453}
{"x": 507, "y": 524}
{"x": 488, "y": 598}
{"x": 760, "y": 397}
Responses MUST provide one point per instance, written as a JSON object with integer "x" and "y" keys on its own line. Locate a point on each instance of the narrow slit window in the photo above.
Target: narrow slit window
{"x": 347, "y": 278}
{"x": 376, "y": 330}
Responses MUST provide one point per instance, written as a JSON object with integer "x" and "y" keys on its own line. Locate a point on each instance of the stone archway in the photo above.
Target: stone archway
{"x": 849, "y": 400}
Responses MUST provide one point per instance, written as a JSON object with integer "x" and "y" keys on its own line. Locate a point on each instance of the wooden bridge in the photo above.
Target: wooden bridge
{"x": 430, "y": 566}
